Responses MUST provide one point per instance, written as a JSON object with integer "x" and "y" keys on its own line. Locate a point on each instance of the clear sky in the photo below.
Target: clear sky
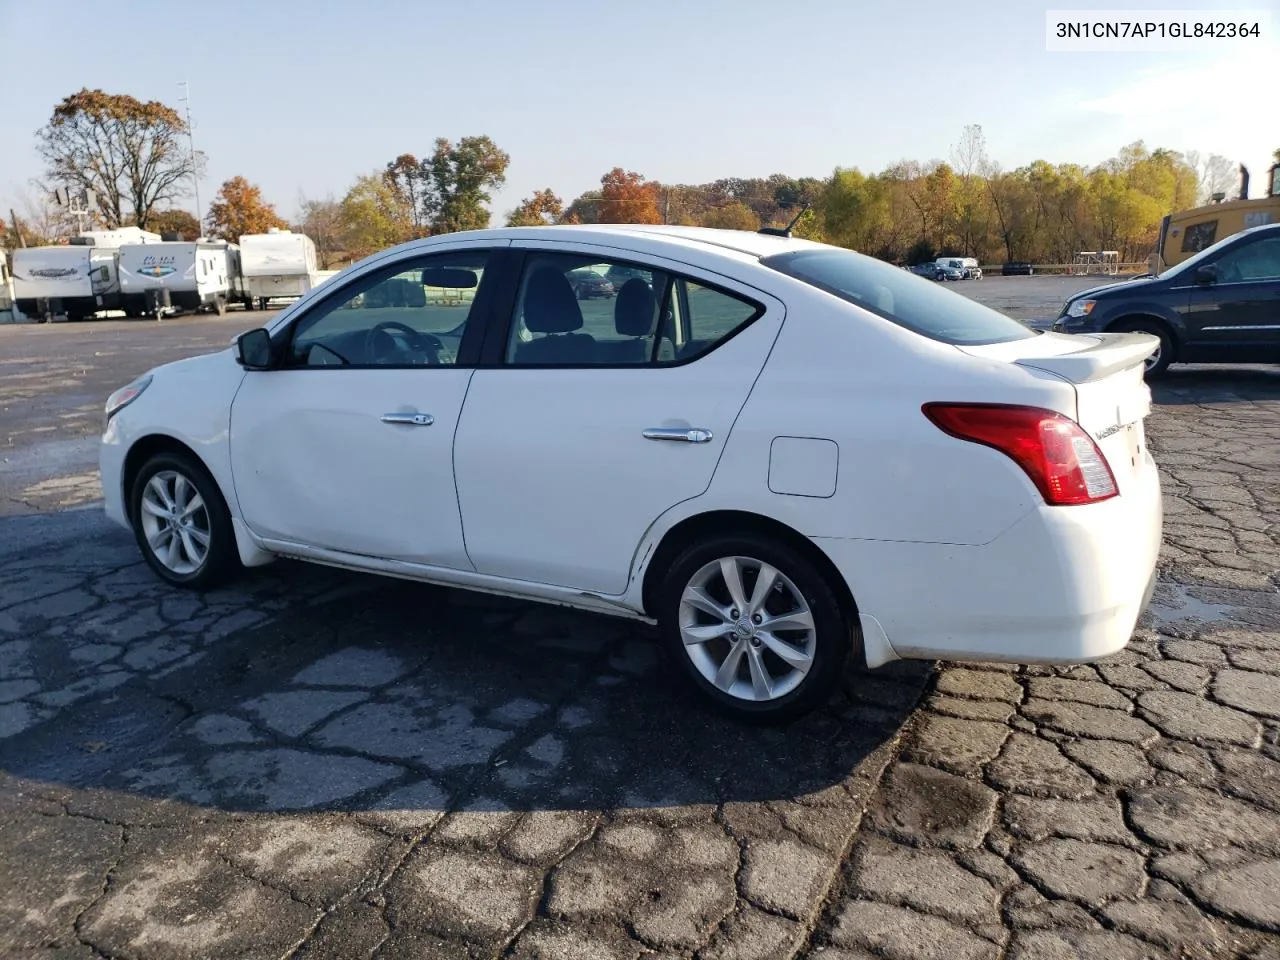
{"x": 304, "y": 95}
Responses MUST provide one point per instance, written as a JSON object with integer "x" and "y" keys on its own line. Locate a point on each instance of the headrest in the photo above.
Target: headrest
{"x": 636, "y": 309}
{"x": 549, "y": 303}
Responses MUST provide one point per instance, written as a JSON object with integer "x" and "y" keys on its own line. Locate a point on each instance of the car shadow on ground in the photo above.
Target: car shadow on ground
{"x": 400, "y": 696}
{"x": 1202, "y": 384}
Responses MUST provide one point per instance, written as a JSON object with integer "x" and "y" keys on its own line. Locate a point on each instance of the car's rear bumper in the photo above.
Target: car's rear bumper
{"x": 1063, "y": 585}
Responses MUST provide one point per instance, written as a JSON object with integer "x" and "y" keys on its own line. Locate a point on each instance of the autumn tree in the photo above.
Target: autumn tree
{"x": 321, "y": 220}
{"x": 732, "y": 216}
{"x": 372, "y": 217}
{"x": 134, "y": 156}
{"x": 543, "y": 208}
{"x": 175, "y": 220}
{"x": 407, "y": 177}
{"x": 239, "y": 209}
{"x": 626, "y": 197}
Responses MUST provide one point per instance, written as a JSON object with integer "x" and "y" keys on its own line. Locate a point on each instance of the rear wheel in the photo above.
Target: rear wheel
{"x": 181, "y": 522}
{"x": 1158, "y": 362}
{"x": 754, "y": 626}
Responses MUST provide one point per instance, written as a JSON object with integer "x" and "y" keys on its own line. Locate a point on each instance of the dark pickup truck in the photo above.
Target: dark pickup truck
{"x": 1220, "y": 306}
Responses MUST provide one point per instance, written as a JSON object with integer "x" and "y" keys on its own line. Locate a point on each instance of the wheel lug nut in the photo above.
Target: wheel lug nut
{"x": 756, "y": 618}
{"x": 734, "y": 613}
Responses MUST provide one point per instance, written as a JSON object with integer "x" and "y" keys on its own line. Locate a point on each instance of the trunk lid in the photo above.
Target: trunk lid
{"x": 1106, "y": 370}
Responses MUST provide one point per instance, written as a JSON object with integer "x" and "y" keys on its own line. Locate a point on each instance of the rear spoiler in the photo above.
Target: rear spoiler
{"x": 1108, "y": 354}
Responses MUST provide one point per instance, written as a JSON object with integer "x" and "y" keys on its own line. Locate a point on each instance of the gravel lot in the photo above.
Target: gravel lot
{"x": 319, "y": 764}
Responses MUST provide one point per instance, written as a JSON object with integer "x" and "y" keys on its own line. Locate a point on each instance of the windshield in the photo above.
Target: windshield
{"x": 902, "y": 297}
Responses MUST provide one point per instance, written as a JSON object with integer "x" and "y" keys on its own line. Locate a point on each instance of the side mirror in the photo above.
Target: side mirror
{"x": 1207, "y": 274}
{"x": 253, "y": 349}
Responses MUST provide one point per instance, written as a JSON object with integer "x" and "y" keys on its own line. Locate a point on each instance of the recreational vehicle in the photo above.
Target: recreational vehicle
{"x": 163, "y": 278}
{"x": 1187, "y": 232}
{"x": 74, "y": 280}
{"x": 277, "y": 264}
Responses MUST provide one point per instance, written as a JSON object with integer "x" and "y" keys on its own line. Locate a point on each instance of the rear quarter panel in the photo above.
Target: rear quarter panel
{"x": 842, "y": 374}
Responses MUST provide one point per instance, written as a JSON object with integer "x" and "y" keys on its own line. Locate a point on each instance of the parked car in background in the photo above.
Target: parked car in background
{"x": 589, "y": 285}
{"x": 950, "y": 272}
{"x": 1220, "y": 306}
{"x": 1017, "y": 268}
{"x": 703, "y": 460}
{"x": 966, "y": 267}
{"x": 930, "y": 270}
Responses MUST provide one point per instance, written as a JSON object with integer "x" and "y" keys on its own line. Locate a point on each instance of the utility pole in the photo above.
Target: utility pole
{"x": 195, "y": 173}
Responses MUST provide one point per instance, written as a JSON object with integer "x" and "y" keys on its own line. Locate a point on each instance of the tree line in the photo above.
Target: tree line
{"x": 136, "y": 158}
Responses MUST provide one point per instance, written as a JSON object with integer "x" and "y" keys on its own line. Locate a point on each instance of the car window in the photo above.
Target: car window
{"x": 413, "y": 314}
{"x": 701, "y": 317}
{"x": 579, "y": 310}
{"x": 1259, "y": 260}
{"x": 900, "y": 297}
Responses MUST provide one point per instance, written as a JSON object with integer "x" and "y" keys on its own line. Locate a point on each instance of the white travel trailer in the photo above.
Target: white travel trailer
{"x": 172, "y": 276}
{"x": 276, "y": 264}
{"x": 75, "y": 281}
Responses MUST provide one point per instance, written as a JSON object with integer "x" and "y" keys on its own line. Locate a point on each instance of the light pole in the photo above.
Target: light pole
{"x": 195, "y": 173}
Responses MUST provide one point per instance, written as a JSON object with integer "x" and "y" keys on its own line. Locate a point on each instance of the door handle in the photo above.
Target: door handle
{"x": 409, "y": 419}
{"x": 683, "y": 434}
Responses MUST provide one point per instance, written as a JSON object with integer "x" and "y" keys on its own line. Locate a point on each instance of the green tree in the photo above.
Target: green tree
{"x": 134, "y": 156}
{"x": 372, "y": 218}
{"x": 457, "y": 180}
{"x": 585, "y": 208}
{"x": 539, "y": 210}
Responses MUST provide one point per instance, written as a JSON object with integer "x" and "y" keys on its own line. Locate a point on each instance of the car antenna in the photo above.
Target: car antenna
{"x": 785, "y": 231}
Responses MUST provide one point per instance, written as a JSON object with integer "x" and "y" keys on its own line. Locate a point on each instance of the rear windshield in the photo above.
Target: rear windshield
{"x": 901, "y": 296}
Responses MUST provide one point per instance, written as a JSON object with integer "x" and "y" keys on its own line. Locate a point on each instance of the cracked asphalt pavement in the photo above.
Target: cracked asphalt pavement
{"x": 313, "y": 763}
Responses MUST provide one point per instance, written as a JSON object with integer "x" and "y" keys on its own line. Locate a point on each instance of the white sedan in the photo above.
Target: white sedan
{"x": 779, "y": 451}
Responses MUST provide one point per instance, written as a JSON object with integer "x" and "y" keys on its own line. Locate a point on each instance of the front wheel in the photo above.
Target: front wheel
{"x": 182, "y": 524}
{"x": 754, "y": 626}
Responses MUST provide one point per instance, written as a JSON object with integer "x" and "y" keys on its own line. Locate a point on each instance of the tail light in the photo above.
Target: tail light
{"x": 1060, "y": 458}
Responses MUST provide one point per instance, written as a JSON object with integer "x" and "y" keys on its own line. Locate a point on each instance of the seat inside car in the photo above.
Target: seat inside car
{"x": 634, "y": 313}
{"x": 552, "y": 314}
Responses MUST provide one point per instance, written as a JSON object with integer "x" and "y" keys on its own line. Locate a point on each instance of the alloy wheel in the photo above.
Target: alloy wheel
{"x": 747, "y": 628}
{"x": 175, "y": 522}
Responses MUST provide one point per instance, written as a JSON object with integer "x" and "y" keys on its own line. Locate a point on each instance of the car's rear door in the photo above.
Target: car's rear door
{"x": 584, "y": 423}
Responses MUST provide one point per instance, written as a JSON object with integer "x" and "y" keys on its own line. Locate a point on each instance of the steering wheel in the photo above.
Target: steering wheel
{"x": 426, "y": 344}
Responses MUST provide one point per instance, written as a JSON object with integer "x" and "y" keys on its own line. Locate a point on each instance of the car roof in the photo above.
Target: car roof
{"x": 744, "y": 244}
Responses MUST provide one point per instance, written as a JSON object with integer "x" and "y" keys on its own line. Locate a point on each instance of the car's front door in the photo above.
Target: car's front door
{"x": 592, "y": 417}
{"x": 347, "y": 445}
{"x": 1237, "y": 315}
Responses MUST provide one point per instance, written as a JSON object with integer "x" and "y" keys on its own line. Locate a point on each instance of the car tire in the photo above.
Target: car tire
{"x": 205, "y": 554}
{"x": 1164, "y": 355}
{"x": 695, "y": 586}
